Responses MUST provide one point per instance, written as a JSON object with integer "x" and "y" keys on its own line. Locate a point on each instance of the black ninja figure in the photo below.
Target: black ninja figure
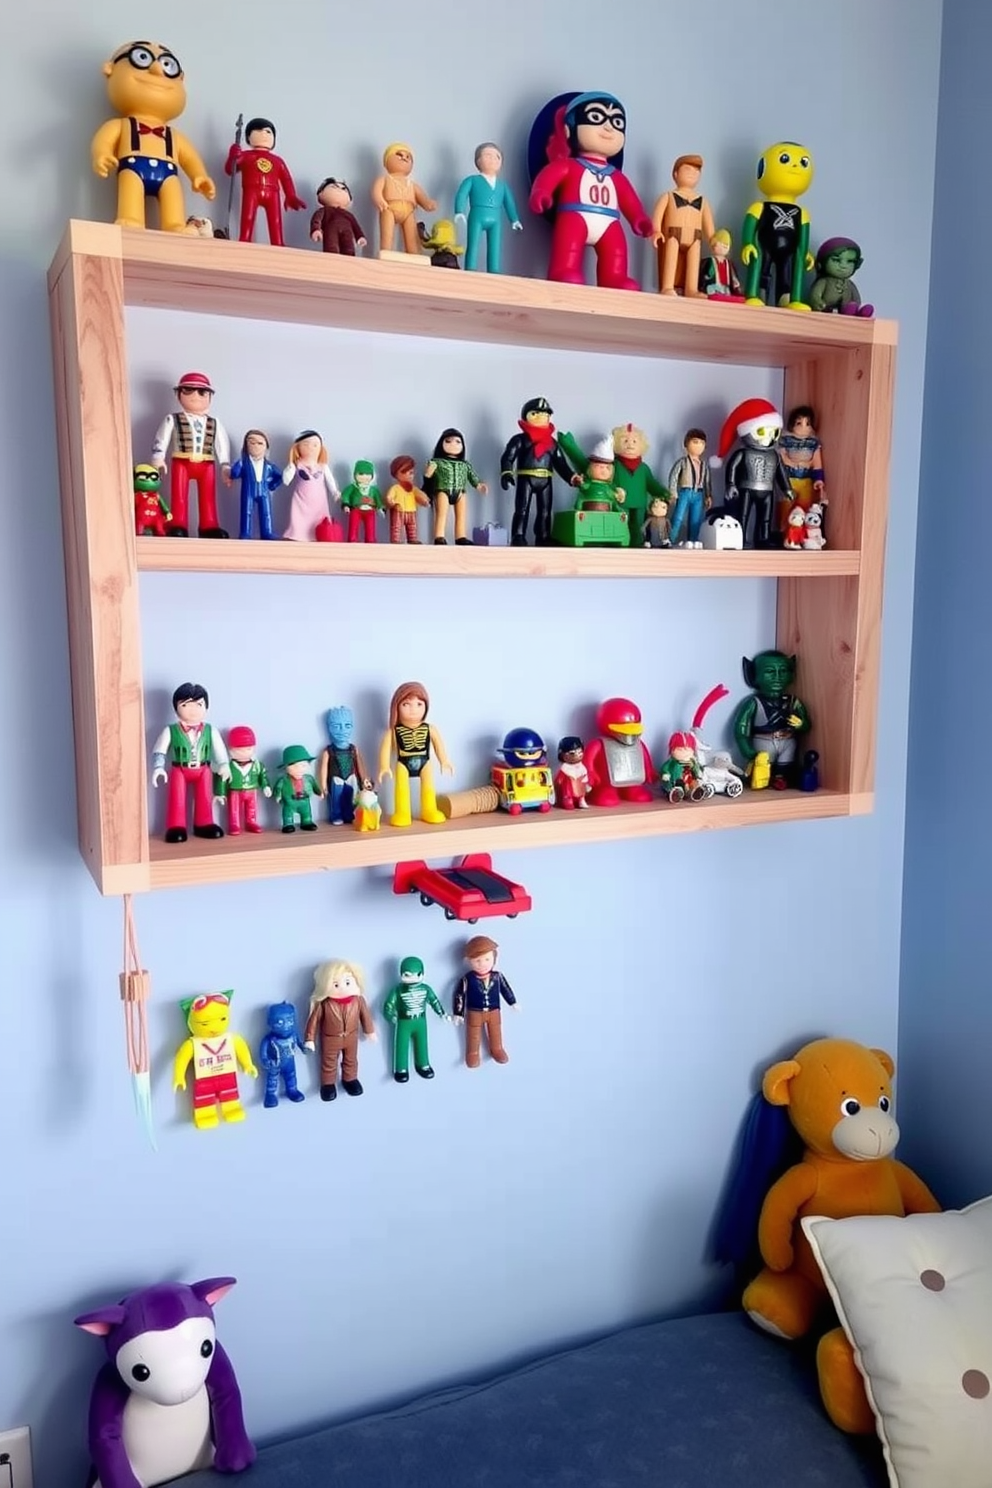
{"x": 529, "y": 462}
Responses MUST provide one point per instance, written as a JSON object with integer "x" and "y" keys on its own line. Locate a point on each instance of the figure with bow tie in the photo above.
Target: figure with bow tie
{"x": 194, "y": 752}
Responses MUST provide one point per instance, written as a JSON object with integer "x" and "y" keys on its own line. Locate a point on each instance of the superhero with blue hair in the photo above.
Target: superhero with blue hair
{"x": 342, "y": 772}
{"x": 277, "y": 1053}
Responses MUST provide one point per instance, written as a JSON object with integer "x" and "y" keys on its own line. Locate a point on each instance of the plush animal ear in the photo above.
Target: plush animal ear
{"x": 775, "y": 1085}
{"x": 886, "y": 1061}
{"x": 102, "y": 1321}
{"x": 211, "y": 1291}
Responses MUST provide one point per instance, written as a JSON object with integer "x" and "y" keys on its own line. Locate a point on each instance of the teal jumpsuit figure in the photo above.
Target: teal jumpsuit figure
{"x": 295, "y": 787}
{"x": 406, "y": 1008}
{"x": 481, "y": 200}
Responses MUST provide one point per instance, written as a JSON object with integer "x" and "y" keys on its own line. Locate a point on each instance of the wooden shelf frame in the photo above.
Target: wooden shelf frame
{"x": 829, "y": 604}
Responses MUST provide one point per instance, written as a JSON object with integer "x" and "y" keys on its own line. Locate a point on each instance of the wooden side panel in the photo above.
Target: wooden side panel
{"x": 92, "y": 414}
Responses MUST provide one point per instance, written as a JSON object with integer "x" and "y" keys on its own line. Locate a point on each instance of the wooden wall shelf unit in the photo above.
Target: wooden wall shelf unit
{"x": 829, "y": 604}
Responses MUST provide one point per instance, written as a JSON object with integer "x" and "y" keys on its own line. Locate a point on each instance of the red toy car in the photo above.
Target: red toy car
{"x": 468, "y": 890}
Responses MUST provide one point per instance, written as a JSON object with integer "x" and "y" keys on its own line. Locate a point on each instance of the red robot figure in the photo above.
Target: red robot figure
{"x": 265, "y": 178}
{"x": 618, "y": 762}
{"x": 575, "y": 155}
{"x": 195, "y": 441}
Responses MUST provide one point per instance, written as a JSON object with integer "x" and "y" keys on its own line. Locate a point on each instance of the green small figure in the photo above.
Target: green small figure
{"x": 598, "y": 487}
{"x": 834, "y": 289}
{"x": 406, "y": 1008}
{"x": 363, "y": 502}
{"x": 151, "y": 510}
{"x": 294, "y": 788}
{"x": 772, "y": 719}
{"x": 631, "y": 472}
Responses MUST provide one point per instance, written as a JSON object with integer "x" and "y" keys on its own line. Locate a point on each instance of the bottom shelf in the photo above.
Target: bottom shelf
{"x": 273, "y": 855}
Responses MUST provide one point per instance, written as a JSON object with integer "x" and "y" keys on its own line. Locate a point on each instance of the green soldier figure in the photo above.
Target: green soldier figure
{"x": 294, "y": 789}
{"x": 406, "y": 1007}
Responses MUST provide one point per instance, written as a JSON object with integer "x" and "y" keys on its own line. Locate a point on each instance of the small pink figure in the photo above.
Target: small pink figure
{"x": 309, "y": 474}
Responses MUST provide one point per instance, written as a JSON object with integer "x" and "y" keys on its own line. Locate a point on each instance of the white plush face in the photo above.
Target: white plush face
{"x": 169, "y": 1365}
{"x": 865, "y": 1133}
{"x": 813, "y": 518}
{"x": 723, "y": 533}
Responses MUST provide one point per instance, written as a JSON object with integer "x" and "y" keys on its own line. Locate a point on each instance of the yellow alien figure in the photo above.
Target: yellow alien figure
{"x": 775, "y": 239}
{"x": 146, "y": 87}
{"x": 215, "y": 1054}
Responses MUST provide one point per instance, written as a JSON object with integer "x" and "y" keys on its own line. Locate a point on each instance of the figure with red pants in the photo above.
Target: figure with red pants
{"x": 265, "y": 178}
{"x": 362, "y": 500}
{"x": 248, "y": 777}
{"x": 581, "y": 136}
{"x": 195, "y": 442}
{"x": 195, "y": 752}
{"x": 620, "y": 767}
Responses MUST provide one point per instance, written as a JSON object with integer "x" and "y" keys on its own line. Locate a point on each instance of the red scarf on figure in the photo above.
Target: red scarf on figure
{"x": 541, "y": 436}
{"x": 630, "y": 462}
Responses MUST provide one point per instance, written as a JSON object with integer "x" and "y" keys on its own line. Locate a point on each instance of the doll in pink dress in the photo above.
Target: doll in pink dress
{"x": 309, "y": 474}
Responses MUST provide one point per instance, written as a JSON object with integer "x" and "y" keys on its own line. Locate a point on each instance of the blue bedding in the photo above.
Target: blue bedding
{"x": 703, "y": 1402}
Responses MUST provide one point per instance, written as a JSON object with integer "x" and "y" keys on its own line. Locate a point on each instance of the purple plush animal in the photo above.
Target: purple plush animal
{"x": 167, "y": 1402}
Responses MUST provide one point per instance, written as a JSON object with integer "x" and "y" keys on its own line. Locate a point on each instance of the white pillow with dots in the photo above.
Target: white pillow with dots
{"x": 914, "y": 1297}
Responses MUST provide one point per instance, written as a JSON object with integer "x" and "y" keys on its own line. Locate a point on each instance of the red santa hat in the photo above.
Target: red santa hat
{"x": 744, "y": 419}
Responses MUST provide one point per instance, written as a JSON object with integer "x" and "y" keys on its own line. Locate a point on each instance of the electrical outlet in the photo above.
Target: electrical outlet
{"x": 15, "y": 1458}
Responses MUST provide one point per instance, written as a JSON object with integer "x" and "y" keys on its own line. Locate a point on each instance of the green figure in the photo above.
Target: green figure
{"x": 772, "y": 718}
{"x": 362, "y": 500}
{"x": 294, "y": 789}
{"x": 406, "y": 1007}
{"x": 631, "y": 472}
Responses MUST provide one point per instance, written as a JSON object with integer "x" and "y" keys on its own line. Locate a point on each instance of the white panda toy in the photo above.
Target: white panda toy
{"x": 722, "y": 532}
{"x": 813, "y": 536}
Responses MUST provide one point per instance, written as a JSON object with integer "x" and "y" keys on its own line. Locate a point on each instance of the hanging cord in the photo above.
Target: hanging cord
{"x": 135, "y": 988}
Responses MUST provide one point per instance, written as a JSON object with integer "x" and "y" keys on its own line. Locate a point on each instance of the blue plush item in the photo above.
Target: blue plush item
{"x": 703, "y": 1402}
{"x": 767, "y": 1146}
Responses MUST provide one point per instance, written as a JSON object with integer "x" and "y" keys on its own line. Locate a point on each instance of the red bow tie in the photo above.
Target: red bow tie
{"x": 158, "y": 129}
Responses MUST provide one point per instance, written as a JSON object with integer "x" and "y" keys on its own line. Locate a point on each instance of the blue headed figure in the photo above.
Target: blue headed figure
{"x": 345, "y": 770}
{"x": 277, "y": 1053}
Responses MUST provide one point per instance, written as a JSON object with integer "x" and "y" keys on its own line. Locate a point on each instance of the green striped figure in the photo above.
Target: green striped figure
{"x": 406, "y": 1007}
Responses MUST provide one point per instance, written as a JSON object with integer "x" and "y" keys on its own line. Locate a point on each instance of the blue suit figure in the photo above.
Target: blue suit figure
{"x": 482, "y": 199}
{"x": 277, "y": 1053}
{"x": 342, "y": 772}
{"x": 259, "y": 478}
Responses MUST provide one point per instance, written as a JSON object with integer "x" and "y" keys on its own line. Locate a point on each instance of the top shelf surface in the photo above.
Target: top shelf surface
{"x": 255, "y": 281}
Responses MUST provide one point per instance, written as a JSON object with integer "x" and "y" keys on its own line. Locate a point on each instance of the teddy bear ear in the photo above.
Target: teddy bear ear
{"x": 775, "y": 1085}
{"x": 886, "y": 1061}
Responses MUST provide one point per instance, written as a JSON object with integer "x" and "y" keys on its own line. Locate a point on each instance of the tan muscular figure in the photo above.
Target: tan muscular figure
{"x": 681, "y": 220}
{"x": 396, "y": 198}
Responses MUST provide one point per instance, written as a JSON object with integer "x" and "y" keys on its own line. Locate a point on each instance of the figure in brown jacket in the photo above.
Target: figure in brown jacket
{"x": 338, "y": 1010}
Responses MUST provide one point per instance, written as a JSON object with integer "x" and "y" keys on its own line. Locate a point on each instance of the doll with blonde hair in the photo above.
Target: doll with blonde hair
{"x": 308, "y": 472}
{"x": 338, "y": 1013}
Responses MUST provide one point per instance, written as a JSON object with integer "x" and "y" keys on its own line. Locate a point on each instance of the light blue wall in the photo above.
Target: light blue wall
{"x": 423, "y": 1233}
{"x": 945, "y": 1007}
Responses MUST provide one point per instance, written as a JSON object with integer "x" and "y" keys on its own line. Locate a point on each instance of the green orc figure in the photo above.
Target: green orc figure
{"x": 834, "y": 289}
{"x": 406, "y": 1008}
{"x": 772, "y": 718}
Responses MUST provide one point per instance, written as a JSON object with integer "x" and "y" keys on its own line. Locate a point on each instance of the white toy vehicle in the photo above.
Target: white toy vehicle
{"x": 719, "y": 771}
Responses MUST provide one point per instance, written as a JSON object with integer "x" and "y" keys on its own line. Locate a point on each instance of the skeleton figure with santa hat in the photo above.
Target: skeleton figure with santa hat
{"x": 755, "y": 477}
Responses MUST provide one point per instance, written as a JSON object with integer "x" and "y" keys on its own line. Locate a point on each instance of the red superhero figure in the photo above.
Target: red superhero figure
{"x": 265, "y": 178}
{"x": 581, "y": 137}
{"x": 619, "y": 765}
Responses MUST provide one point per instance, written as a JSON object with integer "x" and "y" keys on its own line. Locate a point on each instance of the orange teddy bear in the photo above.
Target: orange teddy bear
{"x": 839, "y": 1096}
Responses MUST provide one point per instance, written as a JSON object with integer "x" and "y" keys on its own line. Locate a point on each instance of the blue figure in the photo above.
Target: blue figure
{"x": 277, "y": 1053}
{"x": 483, "y": 198}
{"x": 259, "y": 477}
{"x": 342, "y": 772}
{"x": 809, "y": 779}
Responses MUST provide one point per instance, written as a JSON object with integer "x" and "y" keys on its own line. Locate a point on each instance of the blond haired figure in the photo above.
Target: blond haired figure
{"x": 338, "y": 1012}
{"x": 396, "y": 198}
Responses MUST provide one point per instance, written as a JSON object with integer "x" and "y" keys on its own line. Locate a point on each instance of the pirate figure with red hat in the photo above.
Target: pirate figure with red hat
{"x": 529, "y": 463}
{"x": 756, "y": 478}
{"x": 248, "y": 777}
{"x": 195, "y": 442}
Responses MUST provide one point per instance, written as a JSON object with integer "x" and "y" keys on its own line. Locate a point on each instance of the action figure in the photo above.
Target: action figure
{"x": 406, "y": 1008}
{"x": 690, "y": 484}
{"x": 802, "y": 461}
{"x": 402, "y": 500}
{"x": 681, "y": 221}
{"x": 581, "y": 138}
{"x": 771, "y": 720}
{"x": 809, "y": 775}
{"x": 631, "y": 472}
{"x": 447, "y": 474}
{"x": 396, "y": 197}
{"x": 342, "y": 771}
{"x": 338, "y": 1011}
{"x": 620, "y": 767}
{"x": 215, "y": 1055}
{"x": 247, "y": 777}
{"x": 277, "y": 1053}
{"x": 151, "y": 510}
{"x": 529, "y": 463}
{"x": 833, "y": 288}
{"x": 775, "y": 241}
{"x": 259, "y": 477}
{"x": 362, "y": 500}
{"x": 195, "y": 752}
{"x": 195, "y": 441}
{"x": 476, "y": 1001}
{"x": 755, "y": 474}
{"x": 265, "y": 179}
{"x": 334, "y": 224}
{"x": 682, "y": 772}
{"x": 598, "y": 486}
{"x": 146, "y": 87}
{"x": 294, "y": 789}
{"x": 441, "y": 243}
{"x": 412, "y": 739}
{"x": 657, "y": 528}
{"x": 481, "y": 202}
{"x": 718, "y": 277}
{"x": 572, "y": 780}
{"x": 308, "y": 471}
